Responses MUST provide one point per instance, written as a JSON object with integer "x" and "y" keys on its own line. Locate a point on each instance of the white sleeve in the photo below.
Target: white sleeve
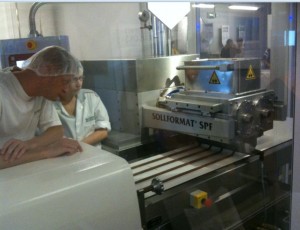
{"x": 48, "y": 116}
{"x": 101, "y": 115}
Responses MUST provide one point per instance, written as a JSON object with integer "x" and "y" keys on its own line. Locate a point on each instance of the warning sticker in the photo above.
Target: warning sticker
{"x": 250, "y": 74}
{"x": 214, "y": 79}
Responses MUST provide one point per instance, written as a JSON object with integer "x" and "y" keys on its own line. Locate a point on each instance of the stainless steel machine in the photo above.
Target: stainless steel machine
{"x": 222, "y": 101}
{"x": 218, "y": 100}
{"x": 219, "y": 128}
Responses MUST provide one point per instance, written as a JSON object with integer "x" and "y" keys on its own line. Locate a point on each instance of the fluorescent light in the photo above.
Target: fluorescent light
{"x": 289, "y": 38}
{"x": 236, "y": 7}
{"x": 204, "y": 6}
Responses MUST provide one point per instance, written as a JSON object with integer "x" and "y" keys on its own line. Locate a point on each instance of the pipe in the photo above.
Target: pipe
{"x": 154, "y": 36}
{"x": 32, "y": 26}
{"x": 18, "y": 19}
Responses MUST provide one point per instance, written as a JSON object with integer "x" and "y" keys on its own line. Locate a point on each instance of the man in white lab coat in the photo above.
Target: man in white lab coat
{"x": 83, "y": 114}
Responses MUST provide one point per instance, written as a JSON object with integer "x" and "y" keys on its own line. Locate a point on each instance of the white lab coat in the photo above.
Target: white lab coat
{"x": 91, "y": 114}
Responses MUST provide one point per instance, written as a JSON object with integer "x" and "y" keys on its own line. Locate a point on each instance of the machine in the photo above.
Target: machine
{"x": 187, "y": 127}
{"x": 222, "y": 101}
{"x": 219, "y": 100}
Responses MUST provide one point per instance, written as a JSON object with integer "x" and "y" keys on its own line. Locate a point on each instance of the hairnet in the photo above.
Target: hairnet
{"x": 54, "y": 61}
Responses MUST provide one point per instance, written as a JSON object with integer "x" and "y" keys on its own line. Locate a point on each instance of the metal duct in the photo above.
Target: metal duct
{"x": 32, "y": 26}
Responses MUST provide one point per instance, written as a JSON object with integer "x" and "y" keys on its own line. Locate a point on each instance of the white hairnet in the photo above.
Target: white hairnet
{"x": 54, "y": 61}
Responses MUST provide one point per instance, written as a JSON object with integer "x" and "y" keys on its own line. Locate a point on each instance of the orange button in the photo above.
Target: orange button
{"x": 31, "y": 45}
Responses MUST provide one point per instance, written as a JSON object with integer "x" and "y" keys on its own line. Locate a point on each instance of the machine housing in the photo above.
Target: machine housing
{"x": 222, "y": 101}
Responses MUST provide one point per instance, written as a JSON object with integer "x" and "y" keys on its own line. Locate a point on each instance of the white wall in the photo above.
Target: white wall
{"x": 14, "y": 18}
{"x": 96, "y": 30}
{"x": 100, "y": 30}
{"x": 6, "y": 25}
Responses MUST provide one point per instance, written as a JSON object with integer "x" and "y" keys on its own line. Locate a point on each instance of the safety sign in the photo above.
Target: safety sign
{"x": 214, "y": 79}
{"x": 250, "y": 74}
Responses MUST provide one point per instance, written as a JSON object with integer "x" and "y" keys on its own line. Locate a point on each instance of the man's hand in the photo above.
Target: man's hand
{"x": 14, "y": 149}
{"x": 64, "y": 146}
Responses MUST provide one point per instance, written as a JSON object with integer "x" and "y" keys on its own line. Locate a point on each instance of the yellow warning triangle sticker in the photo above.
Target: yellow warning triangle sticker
{"x": 214, "y": 79}
{"x": 250, "y": 74}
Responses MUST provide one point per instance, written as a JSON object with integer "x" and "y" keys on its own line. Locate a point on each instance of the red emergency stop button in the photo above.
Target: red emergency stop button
{"x": 31, "y": 44}
{"x": 207, "y": 202}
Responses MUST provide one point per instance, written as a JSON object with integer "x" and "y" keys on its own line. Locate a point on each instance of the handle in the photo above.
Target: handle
{"x": 223, "y": 67}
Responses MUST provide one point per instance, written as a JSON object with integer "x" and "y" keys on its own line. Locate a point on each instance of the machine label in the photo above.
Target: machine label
{"x": 214, "y": 79}
{"x": 250, "y": 74}
{"x": 205, "y": 125}
{"x": 182, "y": 121}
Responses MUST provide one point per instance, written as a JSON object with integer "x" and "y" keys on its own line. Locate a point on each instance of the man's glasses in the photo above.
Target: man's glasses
{"x": 75, "y": 79}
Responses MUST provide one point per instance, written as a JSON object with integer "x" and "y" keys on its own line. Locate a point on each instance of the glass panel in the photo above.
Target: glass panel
{"x": 252, "y": 190}
{"x": 203, "y": 111}
{"x": 194, "y": 105}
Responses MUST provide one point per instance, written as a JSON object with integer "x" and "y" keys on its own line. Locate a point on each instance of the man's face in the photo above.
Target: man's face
{"x": 76, "y": 84}
{"x": 56, "y": 86}
{"x": 72, "y": 88}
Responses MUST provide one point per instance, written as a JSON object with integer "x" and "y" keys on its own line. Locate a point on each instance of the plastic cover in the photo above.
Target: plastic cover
{"x": 54, "y": 61}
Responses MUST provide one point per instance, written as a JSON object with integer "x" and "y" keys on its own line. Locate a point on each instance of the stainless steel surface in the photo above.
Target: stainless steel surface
{"x": 153, "y": 73}
{"x": 225, "y": 104}
{"x": 215, "y": 129}
{"x": 199, "y": 101}
{"x": 227, "y": 107}
{"x": 125, "y": 85}
{"x": 243, "y": 75}
{"x": 135, "y": 75}
{"x": 232, "y": 121}
{"x": 226, "y": 67}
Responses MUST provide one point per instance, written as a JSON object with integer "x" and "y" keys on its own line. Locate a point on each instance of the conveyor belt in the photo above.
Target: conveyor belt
{"x": 181, "y": 165}
{"x": 174, "y": 160}
{"x": 163, "y": 156}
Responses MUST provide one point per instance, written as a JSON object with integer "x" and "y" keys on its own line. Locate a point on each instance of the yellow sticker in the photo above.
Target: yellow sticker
{"x": 214, "y": 79}
{"x": 250, "y": 74}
